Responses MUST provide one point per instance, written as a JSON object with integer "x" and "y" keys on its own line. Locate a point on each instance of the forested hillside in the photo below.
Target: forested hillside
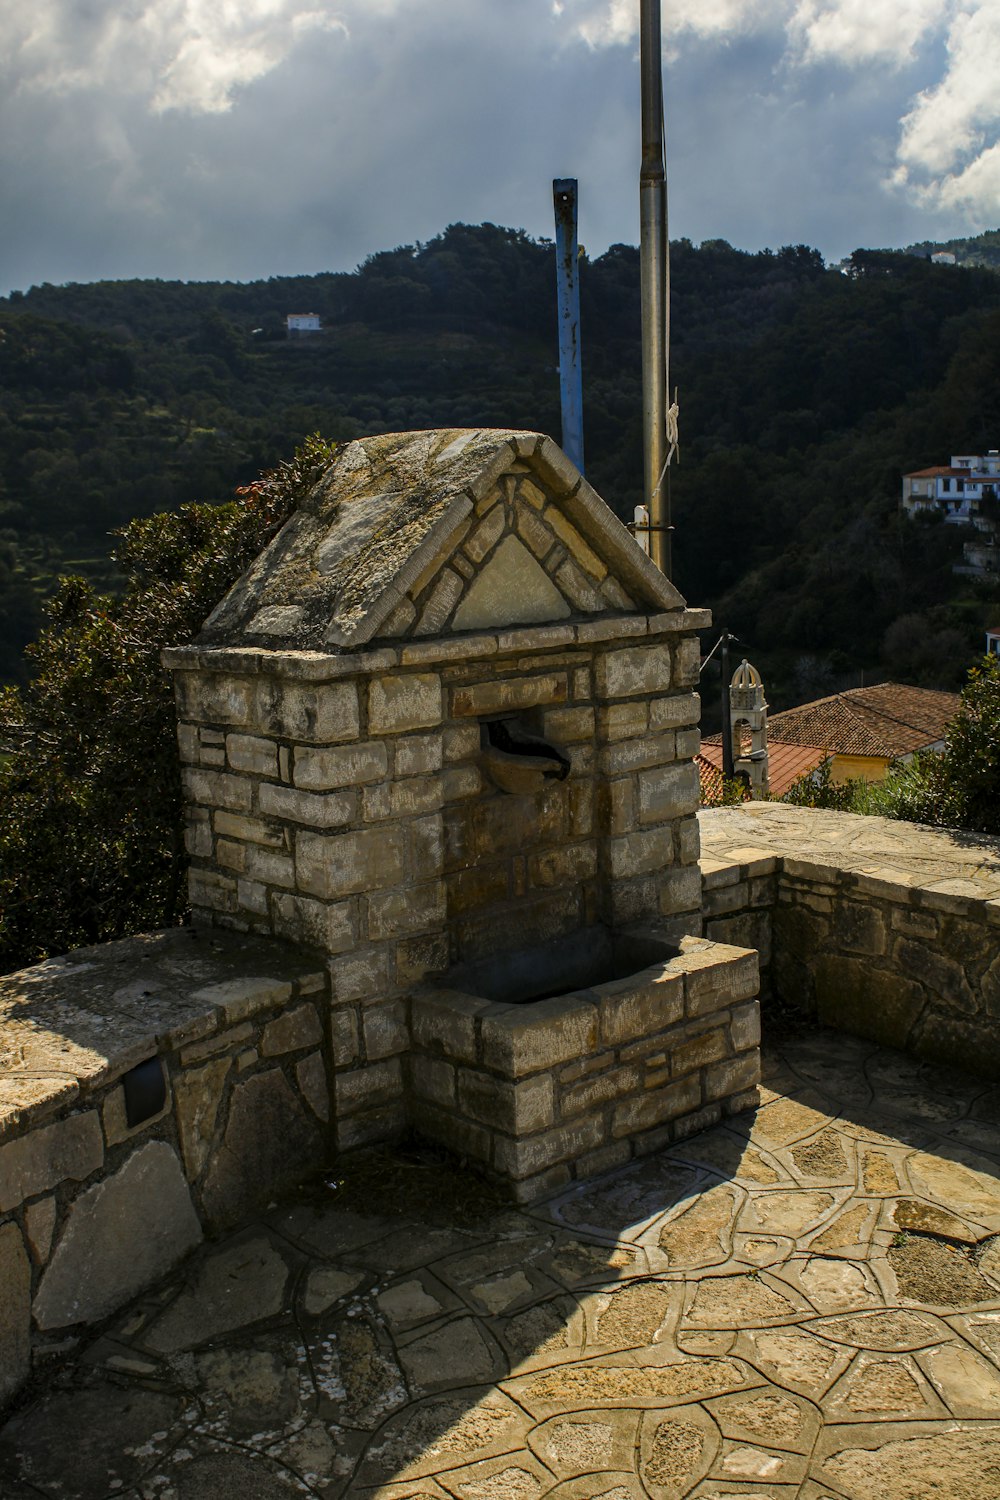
{"x": 974, "y": 250}
{"x": 804, "y": 394}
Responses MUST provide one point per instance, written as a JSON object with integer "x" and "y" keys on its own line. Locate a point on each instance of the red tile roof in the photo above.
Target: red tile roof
{"x": 785, "y": 763}
{"x": 712, "y": 782}
{"x": 887, "y": 720}
{"x": 935, "y": 472}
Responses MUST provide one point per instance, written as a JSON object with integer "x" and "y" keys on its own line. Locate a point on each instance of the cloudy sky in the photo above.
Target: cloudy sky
{"x": 242, "y": 138}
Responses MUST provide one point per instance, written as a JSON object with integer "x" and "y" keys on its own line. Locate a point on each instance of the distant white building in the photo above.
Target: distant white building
{"x": 299, "y": 323}
{"x": 955, "y": 490}
{"x": 943, "y": 258}
{"x": 993, "y": 641}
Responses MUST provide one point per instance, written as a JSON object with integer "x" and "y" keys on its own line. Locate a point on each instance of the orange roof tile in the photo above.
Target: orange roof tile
{"x": 887, "y": 720}
{"x": 712, "y": 782}
{"x": 785, "y": 763}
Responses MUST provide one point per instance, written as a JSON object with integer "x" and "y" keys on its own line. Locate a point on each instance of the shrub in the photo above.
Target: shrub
{"x": 91, "y": 832}
{"x": 816, "y": 789}
{"x": 958, "y": 787}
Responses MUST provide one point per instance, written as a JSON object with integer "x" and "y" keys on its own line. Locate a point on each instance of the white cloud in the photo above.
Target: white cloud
{"x": 189, "y": 55}
{"x": 974, "y": 192}
{"x": 948, "y": 152}
{"x": 610, "y": 23}
{"x": 862, "y": 31}
{"x": 848, "y": 31}
{"x": 244, "y": 137}
{"x": 948, "y": 156}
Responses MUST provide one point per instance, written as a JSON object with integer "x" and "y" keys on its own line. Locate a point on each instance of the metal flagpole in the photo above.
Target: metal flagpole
{"x": 655, "y": 275}
{"x": 564, "y": 193}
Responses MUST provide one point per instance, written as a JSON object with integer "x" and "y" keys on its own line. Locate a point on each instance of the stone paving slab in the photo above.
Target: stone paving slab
{"x": 804, "y": 1302}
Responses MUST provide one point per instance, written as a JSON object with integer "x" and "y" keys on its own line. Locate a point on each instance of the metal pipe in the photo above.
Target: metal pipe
{"x": 655, "y": 277}
{"x": 564, "y": 197}
{"x": 728, "y": 769}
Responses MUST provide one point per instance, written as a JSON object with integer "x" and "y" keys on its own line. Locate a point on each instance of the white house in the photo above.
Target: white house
{"x": 956, "y": 489}
{"x": 299, "y": 323}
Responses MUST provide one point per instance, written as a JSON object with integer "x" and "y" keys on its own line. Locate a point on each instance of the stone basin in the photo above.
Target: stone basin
{"x": 571, "y": 1057}
{"x": 587, "y": 959}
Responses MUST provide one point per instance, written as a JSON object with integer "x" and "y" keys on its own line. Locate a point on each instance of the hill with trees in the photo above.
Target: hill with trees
{"x": 977, "y": 250}
{"x": 804, "y": 393}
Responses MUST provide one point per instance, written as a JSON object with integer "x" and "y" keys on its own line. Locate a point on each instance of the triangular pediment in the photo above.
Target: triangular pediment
{"x": 433, "y": 533}
{"x": 511, "y": 589}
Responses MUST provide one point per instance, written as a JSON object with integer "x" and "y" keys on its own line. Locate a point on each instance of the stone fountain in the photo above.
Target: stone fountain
{"x": 442, "y": 731}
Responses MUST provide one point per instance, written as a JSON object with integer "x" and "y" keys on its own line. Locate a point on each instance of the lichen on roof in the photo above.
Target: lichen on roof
{"x": 384, "y": 512}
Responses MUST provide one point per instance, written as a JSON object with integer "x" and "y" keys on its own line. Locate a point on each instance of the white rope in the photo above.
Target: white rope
{"x": 673, "y": 438}
{"x": 641, "y": 527}
{"x": 673, "y": 434}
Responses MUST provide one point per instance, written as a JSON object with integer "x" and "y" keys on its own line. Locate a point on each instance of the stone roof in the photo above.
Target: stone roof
{"x": 429, "y": 533}
{"x": 887, "y": 720}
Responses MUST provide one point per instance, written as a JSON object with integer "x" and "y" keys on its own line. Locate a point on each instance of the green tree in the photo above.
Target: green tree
{"x": 960, "y": 788}
{"x": 91, "y": 834}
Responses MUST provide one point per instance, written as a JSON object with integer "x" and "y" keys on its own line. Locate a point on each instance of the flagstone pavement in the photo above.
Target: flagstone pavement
{"x": 802, "y": 1303}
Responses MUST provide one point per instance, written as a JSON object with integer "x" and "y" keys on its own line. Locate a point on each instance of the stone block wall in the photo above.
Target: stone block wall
{"x": 566, "y": 1088}
{"x": 93, "y": 1210}
{"x": 341, "y": 802}
{"x": 910, "y": 959}
{"x": 904, "y": 965}
{"x": 739, "y": 894}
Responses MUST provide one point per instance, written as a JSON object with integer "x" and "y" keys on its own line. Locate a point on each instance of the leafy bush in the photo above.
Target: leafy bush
{"x": 91, "y": 833}
{"x": 958, "y": 787}
{"x": 817, "y": 789}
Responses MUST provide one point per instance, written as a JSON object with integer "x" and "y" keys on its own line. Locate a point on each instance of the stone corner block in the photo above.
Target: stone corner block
{"x": 633, "y": 670}
{"x": 717, "y": 975}
{"x": 443, "y": 1023}
{"x": 640, "y": 1005}
{"x": 403, "y": 701}
{"x": 523, "y": 1039}
{"x": 241, "y": 998}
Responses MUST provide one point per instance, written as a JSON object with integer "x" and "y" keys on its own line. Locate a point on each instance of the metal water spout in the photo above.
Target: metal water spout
{"x": 516, "y": 760}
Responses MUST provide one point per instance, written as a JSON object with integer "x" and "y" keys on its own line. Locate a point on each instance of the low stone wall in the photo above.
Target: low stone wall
{"x": 155, "y": 1090}
{"x": 92, "y": 1209}
{"x": 569, "y": 1087}
{"x": 887, "y": 930}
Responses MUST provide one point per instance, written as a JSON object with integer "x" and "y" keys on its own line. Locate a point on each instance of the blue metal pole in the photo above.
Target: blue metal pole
{"x": 568, "y": 278}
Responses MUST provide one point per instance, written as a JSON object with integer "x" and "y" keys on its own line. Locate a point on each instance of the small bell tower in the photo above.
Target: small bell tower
{"x": 748, "y": 709}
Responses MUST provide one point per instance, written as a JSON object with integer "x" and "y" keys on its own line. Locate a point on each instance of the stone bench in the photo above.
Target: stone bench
{"x": 218, "y": 1041}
